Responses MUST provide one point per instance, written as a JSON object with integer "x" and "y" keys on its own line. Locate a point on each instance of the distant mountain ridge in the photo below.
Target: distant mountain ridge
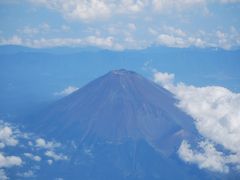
{"x": 15, "y": 49}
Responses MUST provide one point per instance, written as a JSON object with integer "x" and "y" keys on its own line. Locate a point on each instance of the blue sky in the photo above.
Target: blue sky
{"x": 122, "y": 24}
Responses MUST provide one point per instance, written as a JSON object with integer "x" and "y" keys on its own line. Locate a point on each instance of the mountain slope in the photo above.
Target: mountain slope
{"x": 116, "y": 106}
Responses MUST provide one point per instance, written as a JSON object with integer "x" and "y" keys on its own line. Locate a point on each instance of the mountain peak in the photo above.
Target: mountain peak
{"x": 123, "y": 73}
{"x": 119, "y": 105}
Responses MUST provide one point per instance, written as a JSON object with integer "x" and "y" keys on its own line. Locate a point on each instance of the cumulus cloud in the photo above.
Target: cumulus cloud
{"x": 176, "y": 37}
{"x": 9, "y": 161}
{"x": 115, "y": 37}
{"x": 123, "y": 23}
{"x": 130, "y": 6}
{"x": 178, "y": 41}
{"x": 33, "y": 157}
{"x": 227, "y": 40}
{"x": 210, "y": 158}
{"x": 42, "y": 143}
{"x": 214, "y": 109}
{"x": 18, "y": 141}
{"x": 100, "y": 42}
{"x": 67, "y": 91}
{"x": 7, "y": 137}
{"x": 165, "y": 79}
{"x": 56, "y": 156}
{"x": 102, "y": 9}
{"x": 93, "y": 9}
{"x": 78, "y": 10}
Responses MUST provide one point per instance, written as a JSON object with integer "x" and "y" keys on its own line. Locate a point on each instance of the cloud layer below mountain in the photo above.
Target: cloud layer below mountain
{"x": 35, "y": 150}
{"x": 217, "y": 117}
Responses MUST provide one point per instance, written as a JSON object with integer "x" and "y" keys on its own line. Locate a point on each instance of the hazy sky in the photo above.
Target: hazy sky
{"x": 121, "y": 24}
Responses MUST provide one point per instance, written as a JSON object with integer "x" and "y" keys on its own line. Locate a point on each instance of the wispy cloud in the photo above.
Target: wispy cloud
{"x": 66, "y": 91}
{"x": 55, "y": 156}
{"x": 33, "y": 157}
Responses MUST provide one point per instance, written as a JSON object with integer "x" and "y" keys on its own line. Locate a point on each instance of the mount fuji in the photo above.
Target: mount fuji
{"x": 119, "y": 126}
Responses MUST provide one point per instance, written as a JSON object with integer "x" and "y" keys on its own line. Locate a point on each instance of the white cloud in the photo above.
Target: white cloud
{"x": 170, "y": 41}
{"x": 230, "y": 1}
{"x": 152, "y": 31}
{"x": 42, "y": 29}
{"x": 164, "y": 5}
{"x": 130, "y": 6}
{"x": 42, "y": 143}
{"x": 78, "y": 10}
{"x": 132, "y": 27}
{"x": 210, "y": 158}
{"x": 3, "y": 175}
{"x": 214, "y": 109}
{"x": 19, "y": 142}
{"x": 29, "y": 30}
{"x": 93, "y": 10}
{"x": 96, "y": 41}
{"x": 174, "y": 31}
{"x": 27, "y": 174}
{"x": 14, "y": 40}
{"x": 33, "y": 157}
{"x": 227, "y": 40}
{"x": 59, "y": 179}
{"x": 118, "y": 38}
{"x": 181, "y": 42}
{"x": 102, "y": 9}
{"x": 50, "y": 161}
{"x": 9, "y": 161}
{"x": 56, "y": 156}
{"x": 165, "y": 79}
{"x": 175, "y": 37}
{"x": 99, "y": 14}
{"x": 7, "y": 137}
{"x": 100, "y": 42}
{"x": 67, "y": 91}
